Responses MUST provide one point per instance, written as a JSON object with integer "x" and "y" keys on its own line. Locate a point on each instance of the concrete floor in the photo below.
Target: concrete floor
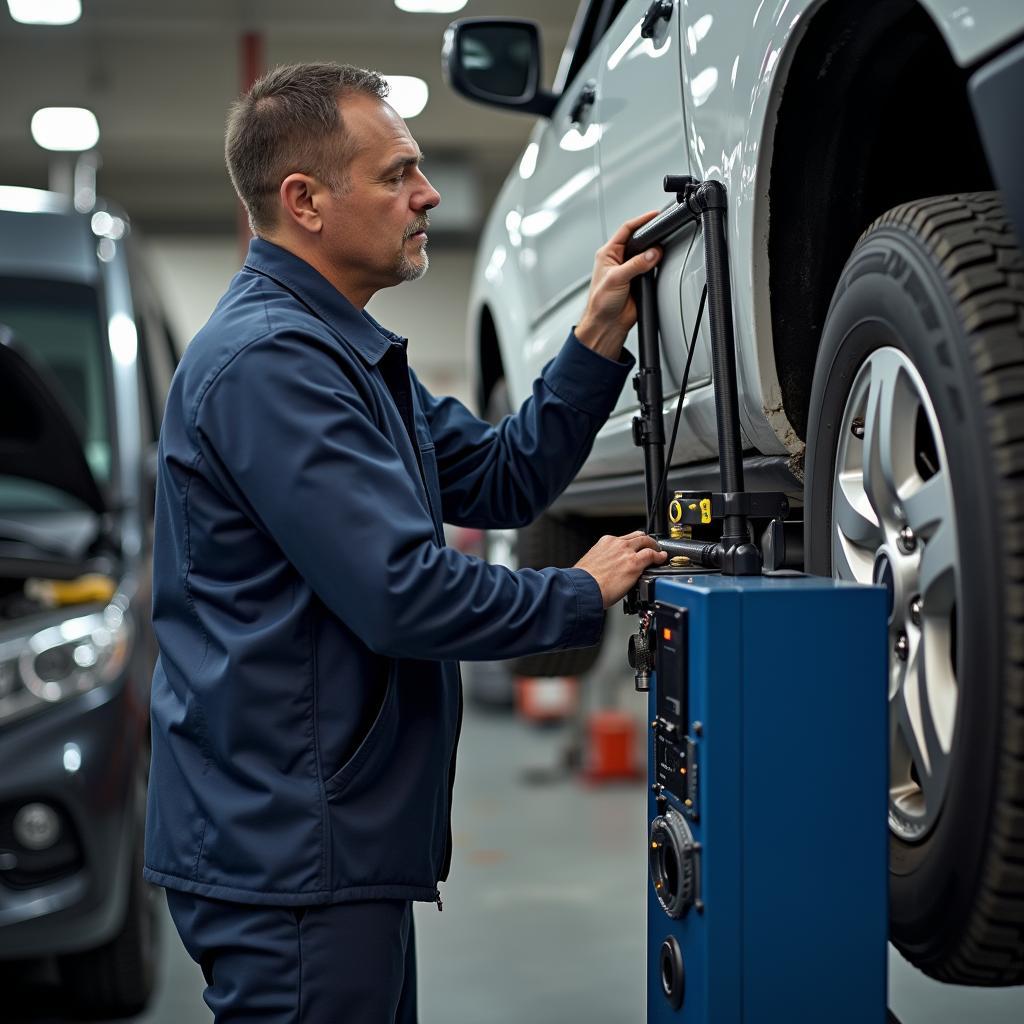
{"x": 544, "y": 913}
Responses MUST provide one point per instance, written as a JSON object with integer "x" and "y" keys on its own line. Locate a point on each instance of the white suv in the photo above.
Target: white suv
{"x": 873, "y": 156}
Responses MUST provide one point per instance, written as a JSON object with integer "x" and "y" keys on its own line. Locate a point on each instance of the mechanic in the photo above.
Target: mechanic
{"x": 306, "y": 701}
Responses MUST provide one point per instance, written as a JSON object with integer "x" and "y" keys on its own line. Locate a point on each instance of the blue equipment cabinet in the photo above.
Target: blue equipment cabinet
{"x": 769, "y": 798}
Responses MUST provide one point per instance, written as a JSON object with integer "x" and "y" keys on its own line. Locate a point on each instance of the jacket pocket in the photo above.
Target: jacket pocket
{"x": 428, "y": 460}
{"x": 375, "y": 744}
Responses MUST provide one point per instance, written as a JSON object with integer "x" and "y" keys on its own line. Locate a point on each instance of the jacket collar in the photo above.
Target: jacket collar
{"x": 357, "y": 327}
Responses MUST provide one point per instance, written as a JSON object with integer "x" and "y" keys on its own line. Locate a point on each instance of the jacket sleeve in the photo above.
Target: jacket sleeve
{"x": 289, "y": 430}
{"x": 503, "y": 476}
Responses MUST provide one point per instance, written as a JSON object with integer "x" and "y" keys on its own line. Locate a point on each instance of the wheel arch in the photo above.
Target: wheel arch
{"x": 874, "y": 112}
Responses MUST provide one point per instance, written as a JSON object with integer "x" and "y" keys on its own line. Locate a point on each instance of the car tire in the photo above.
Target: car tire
{"x": 917, "y": 424}
{"x": 117, "y": 979}
{"x": 548, "y": 541}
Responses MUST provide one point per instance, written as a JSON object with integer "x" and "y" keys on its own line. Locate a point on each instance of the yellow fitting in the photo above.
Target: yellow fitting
{"x": 678, "y": 530}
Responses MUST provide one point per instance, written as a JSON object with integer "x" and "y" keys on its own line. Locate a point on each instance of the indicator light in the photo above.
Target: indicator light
{"x": 666, "y": 633}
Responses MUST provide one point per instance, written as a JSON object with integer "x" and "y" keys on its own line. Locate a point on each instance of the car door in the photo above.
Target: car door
{"x": 557, "y": 226}
{"x": 642, "y": 138}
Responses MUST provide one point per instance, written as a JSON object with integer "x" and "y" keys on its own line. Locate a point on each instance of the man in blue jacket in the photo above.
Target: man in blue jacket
{"x": 306, "y": 701}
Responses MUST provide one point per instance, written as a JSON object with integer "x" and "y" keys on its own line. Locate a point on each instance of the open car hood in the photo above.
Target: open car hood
{"x": 38, "y": 440}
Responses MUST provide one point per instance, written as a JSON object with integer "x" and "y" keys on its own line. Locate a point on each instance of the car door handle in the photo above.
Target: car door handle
{"x": 660, "y": 9}
{"x": 585, "y": 100}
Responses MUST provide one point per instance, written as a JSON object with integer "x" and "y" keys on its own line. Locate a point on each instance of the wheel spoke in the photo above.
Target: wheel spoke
{"x": 928, "y": 507}
{"x": 938, "y": 569}
{"x": 855, "y": 517}
{"x": 939, "y": 681}
{"x": 919, "y": 763}
{"x": 908, "y": 722}
{"x": 932, "y": 780}
{"x": 850, "y": 562}
{"x": 880, "y": 435}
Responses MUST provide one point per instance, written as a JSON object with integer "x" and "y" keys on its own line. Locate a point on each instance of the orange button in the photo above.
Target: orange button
{"x": 666, "y": 633}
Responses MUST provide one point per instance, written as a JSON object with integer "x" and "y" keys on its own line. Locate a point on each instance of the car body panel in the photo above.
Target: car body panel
{"x": 84, "y": 909}
{"x": 559, "y": 213}
{"x": 732, "y": 61}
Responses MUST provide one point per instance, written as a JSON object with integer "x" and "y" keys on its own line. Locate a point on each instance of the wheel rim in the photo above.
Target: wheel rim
{"x": 893, "y": 523}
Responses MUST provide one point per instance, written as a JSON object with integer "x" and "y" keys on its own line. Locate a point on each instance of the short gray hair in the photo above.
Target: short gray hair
{"x": 289, "y": 122}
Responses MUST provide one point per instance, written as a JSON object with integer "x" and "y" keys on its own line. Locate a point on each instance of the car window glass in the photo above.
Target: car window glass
{"x": 59, "y": 324}
{"x": 591, "y": 23}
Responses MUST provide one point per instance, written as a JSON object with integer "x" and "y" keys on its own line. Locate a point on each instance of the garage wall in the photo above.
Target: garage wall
{"x": 192, "y": 272}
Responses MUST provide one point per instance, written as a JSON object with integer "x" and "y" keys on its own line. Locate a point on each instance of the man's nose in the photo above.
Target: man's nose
{"x": 428, "y": 197}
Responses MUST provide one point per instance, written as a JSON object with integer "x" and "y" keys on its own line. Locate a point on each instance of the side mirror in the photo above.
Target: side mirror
{"x": 497, "y": 62}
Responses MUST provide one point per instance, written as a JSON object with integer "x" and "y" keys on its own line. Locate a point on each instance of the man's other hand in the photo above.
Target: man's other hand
{"x": 611, "y": 311}
{"x": 617, "y": 562}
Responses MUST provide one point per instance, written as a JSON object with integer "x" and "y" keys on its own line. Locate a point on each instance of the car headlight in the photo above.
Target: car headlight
{"x": 63, "y": 659}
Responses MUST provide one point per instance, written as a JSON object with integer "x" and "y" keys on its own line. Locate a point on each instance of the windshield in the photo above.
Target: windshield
{"x": 59, "y": 323}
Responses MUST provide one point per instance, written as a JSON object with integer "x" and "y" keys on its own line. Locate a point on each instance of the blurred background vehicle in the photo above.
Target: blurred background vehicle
{"x": 85, "y": 362}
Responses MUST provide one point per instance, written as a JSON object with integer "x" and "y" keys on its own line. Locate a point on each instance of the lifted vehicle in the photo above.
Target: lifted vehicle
{"x": 84, "y": 366}
{"x": 873, "y": 157}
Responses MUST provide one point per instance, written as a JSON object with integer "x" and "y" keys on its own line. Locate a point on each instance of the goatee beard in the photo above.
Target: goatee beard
{"x": 408, "y": 270}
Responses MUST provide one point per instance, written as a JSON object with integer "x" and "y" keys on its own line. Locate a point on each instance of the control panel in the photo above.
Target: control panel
{"x": 736, "y": 863}
{"x": 676, "y": 767}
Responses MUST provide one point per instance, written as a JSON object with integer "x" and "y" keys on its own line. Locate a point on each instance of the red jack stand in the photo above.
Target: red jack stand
{"x": 610, "y": 744}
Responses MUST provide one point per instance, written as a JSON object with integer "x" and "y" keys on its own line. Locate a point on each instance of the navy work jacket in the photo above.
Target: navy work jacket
{"x": 306, "y": 701}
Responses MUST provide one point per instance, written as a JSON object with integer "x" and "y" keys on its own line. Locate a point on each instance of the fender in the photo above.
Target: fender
{"x": 735, "y": 72}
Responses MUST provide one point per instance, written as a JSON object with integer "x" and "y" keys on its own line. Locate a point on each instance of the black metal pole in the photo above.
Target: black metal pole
{"x": 649, "y": 428}
{"x": 649, "y": 391}
{"x": 710, "y": 199}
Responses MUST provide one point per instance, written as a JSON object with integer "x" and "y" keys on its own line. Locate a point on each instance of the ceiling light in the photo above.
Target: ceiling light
{"x": 45, "y": 12}
{"x": 407, "y": 95}
{"x": 67, "y": 129}
{"x": 430, "y": 6}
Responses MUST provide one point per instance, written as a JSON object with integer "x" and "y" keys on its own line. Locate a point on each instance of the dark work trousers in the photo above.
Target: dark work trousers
{"x": 346, "y": 963}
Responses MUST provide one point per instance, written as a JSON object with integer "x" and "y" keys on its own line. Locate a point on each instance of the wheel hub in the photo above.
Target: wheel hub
{"x": 884, "y": 576}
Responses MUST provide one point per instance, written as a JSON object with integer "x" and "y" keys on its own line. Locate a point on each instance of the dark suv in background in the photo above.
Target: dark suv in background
{"x": 85, "y": 361}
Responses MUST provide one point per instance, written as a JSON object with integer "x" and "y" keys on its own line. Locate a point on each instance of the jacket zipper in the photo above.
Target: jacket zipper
{"x": 447, "y": 863}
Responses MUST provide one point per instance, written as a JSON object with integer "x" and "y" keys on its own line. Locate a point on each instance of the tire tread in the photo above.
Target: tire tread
{"x": 971, "y": 240}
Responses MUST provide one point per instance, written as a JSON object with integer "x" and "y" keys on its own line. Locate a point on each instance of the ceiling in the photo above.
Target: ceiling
{"x": 160, "y": 77}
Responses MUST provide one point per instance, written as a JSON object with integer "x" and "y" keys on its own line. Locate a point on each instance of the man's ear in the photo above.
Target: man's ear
{"x": 299, "y": 194}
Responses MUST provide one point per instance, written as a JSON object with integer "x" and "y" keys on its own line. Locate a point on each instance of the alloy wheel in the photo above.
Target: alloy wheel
{"x": 894, "y": 524}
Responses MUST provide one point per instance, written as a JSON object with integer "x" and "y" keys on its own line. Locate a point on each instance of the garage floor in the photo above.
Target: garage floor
{"x": 544, "y": 914}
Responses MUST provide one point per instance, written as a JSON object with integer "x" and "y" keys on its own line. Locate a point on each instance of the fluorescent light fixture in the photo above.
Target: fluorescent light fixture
{"x": 65, "y": 129}
{"x": 430, "y": 6}
{"x": 407, "y": 95}
{"x": 45, "y": 12}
